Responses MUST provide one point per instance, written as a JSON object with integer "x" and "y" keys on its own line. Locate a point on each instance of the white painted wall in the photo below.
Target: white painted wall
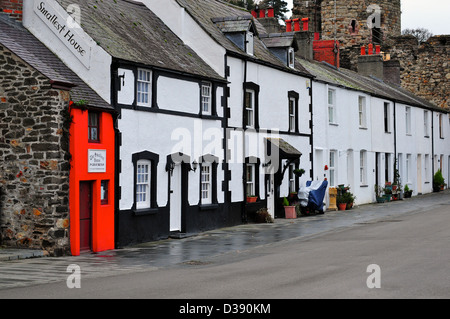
{"x": 97, "y": 73}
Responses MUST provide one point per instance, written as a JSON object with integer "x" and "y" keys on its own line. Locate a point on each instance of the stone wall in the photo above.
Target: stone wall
{"x": 425, "y": 68}
{"x": 34, "y": 159}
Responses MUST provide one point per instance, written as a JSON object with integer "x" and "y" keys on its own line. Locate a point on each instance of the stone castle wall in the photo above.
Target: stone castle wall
{"x": 34, "y": 157}
{"x": 425, "y": 68}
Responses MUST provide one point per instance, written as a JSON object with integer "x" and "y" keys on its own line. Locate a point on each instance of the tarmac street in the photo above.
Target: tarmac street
{"x": 394, "y": 250}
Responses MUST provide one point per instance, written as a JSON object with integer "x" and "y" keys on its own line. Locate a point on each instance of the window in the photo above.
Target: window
{"x": 387, "y": 117}
{"x": 206, "y": 189}
{"x": 94, "y": 127}
{"x": 441, "y": 126}
{"x": 332, "y": 168}
{"x": 250, "y": 108}
{"x": 206, "y": 98}
{"x": 363, "y": 167}
{"x": 143, "y": 184}
{"x": 387, "y": 167}
{"x": 291, "y": 58}
{"x": 425, "y": 124}
{"x": 292, "y": 112}
{"x": 331, "y": 106}
{"x": 251, "y": 182}
{"x": 362, "y": 111}
{"x": 145, "y": 180}
{"x": 249, "y": 43}
{"x": 292, "y": 179}
{"x": 144, "y": 88}
{"x": 104, "y": 190}
{"x": 408, "y": 119}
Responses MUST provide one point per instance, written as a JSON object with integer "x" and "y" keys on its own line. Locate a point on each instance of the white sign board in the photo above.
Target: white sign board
{"x": 65, "y": 29}
{"x": 96, "y": 161}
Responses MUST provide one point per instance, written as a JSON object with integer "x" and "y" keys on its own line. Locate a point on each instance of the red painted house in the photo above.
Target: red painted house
{"x": 91, "y": 179}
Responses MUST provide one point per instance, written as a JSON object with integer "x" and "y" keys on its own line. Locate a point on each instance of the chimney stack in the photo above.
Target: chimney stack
{"x": 14, "y": 8}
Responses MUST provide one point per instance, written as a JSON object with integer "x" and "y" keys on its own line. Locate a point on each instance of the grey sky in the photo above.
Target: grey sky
{"x": 430, "y": 14}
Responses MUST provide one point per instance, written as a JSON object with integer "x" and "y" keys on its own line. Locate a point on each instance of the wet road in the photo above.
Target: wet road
{"x": 227, "y": 258}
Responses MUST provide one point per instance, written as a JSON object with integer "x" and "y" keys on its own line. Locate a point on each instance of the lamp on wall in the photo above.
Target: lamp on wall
{"x": 194, "y": 165}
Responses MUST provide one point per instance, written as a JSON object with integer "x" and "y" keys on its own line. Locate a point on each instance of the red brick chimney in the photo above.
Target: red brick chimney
{"x": 14, "y": 8}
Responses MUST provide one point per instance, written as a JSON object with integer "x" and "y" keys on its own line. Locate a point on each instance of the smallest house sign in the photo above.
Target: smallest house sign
{"x": 96, "y": 161}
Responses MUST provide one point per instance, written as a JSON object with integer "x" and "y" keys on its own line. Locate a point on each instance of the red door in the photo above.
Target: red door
{"x": 85, "y": 216}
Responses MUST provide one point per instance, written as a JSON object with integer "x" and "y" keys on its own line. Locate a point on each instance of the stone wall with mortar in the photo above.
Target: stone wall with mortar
{"x": 34, "y": 159}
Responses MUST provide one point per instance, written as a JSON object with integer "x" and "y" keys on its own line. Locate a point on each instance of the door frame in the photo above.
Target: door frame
{"x": 90, "y": 185}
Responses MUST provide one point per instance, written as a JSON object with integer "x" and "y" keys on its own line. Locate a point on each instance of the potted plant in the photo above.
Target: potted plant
{"x": 408, "y": 192}
{"x": 349, "y": 199}
{"x": 299, "y": 172}
{"x": 379, "y": 194}
{"x": 438, "y": 181}
{"x": 289, "y": 210}
{"x": 388, "y": 193}
{"x": 341, "y": 202}
{"x": 251, "y": 199}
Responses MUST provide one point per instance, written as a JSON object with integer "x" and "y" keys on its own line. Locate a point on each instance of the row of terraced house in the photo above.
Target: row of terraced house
{"x": 125, "y": 122}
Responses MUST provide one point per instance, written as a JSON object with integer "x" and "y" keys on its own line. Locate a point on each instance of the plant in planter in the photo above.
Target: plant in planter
{"x": 251, "y": 199}
{"x": 289, "y": 210}
{"x": 349, "y": 199}
{"x": 299, "y": 172}
{"x": 341, "y": 202}
{"x": 379, "y": 194}
{"x": 438, "y": 181}
{"x": 408, "y": 192}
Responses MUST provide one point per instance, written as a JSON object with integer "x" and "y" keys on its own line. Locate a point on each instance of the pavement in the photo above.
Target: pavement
{"x": 27, "y": 267}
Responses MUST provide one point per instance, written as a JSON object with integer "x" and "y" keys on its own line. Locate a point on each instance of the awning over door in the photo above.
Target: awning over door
{"x": 285, "y": 150}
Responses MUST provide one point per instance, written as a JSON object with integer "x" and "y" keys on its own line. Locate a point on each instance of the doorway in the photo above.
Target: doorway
{"x": 85, "y": 216}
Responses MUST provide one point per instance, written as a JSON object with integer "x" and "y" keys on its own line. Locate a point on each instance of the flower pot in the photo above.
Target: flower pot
{"x": 251, "y": 199}
{"x": 408, "y": 194}
{"x": 342, "y": 206}
{"x": 290, "y": 212}
{"x": 381, "y": 199}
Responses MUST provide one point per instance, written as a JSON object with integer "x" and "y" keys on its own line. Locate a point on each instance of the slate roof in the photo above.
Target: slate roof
{"x": 129, "y": 31}
{"x": 206, "y": 12}
{"x": 279, "y": 40}
{"x": 349, "y": 79}
{"x": 22, "y": 43}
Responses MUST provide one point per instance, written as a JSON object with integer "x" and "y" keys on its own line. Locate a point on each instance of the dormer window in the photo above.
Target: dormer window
{"x": 240, "y": 30}
{"x": 291, "y": 57}
{"x": 249, "y": 43}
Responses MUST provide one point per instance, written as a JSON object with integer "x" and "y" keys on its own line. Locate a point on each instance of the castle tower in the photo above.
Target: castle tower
{"x": 348, "y": 21}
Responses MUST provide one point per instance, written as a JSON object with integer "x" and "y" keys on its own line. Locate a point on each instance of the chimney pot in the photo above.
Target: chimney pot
{"x": 270, "y": 12}
{"x": 363, "y": 50}
{"x": 254, "y": 14}
{"x": 370, "y": 49}
{"x": 296, "y": 24}
{"x": 288, "y": 25}
{"x": 262, "y": 13}
{"x": 305, "y": 24}
{"x": 377, "y": 49}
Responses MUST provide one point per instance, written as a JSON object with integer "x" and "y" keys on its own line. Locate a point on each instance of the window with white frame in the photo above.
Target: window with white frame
{"x": 387, "y": 117}
{"x": 363, "y": 167}
{"x": 408, "y": 119}
{"x": 362, "y": 111}
{"x": 292, "y": 117}
{"x": 332, "y": 168}
{"x": 206, "y": 187}
{"x": 331, "y": 106}
{"x": 143, "y": 184}
{"x": 441, "y": 126}
{"x": 250, "y": 43}
{"x": 144, "y": 87}
{"x": 251, "y": 181}
{"x": 250, "y": 108}
{"x": 291, "y": 178}
{"x": 291, "y": 57}
{"x": 425, "y": 124}
{"x": 206, "y": 98}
